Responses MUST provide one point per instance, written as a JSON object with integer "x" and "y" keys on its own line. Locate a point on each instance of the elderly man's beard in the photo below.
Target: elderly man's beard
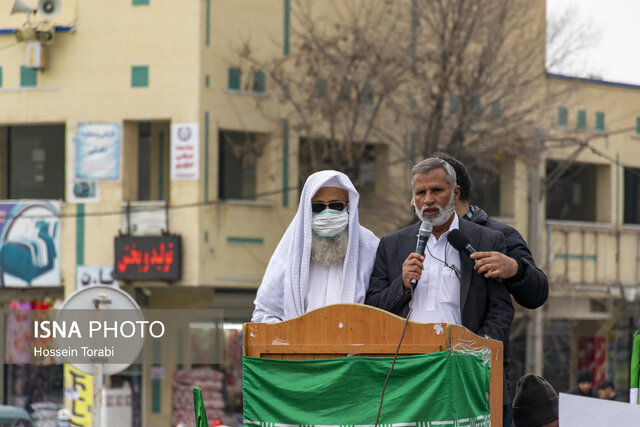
{"x": 328, "y": 250}
{"x": 441, "y": 217}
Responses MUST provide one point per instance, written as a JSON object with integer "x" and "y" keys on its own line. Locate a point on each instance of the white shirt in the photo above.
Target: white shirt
{"x": 436, "y": 298}
{"x": 324, "y": 285}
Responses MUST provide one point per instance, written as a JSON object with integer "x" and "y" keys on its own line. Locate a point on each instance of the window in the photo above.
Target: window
{"x": 454, "y": 104}
{"x": 28, "y": 77}
{"x": 495, "y": 109}
{"x": 600, "y": 121}
{"x": 35, "y": 162}
{"x": 152, "y": 171}
{"x": 571, "y": 191}
{"x": 139, "y": 76}
{"x": 258, "y": 81}
{"x": 582, "y": 119}
{"x": 476, "y": 106}
{"x": 632, "y": 196}
{"x": 637, "y": 126}
{"x": 0, "y": 76}
{"x": 563, "y": 117}
{"x": 321, "y": 89}
{"x": 367, "y": 170}
{"x": 367, "y": 94}
{"x": 238, "y": 154}
{"x": 234, "y": 78}
{"x": 345, "y": 92}
{"x": 140, "y": 2}
{"x": 485, "y": 189}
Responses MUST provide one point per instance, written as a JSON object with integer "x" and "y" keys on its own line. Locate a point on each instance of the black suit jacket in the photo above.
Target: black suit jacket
{"x": 485, "y": 304}
{"x": 530, "y": 288}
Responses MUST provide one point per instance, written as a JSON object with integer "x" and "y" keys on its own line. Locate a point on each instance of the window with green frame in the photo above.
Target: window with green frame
{"x": 582, "y": 119}
{"x": 367, "y": 94}
{"x": 563, "y": 117}
{"x": 321, "y": 88}
{"x": 234, "y": 78}
{"x": 28, "y": 77}
{"x": 258, "y": 81}
{"x": 599, "y": 121}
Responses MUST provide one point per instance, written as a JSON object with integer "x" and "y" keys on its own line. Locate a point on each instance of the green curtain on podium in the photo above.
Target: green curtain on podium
{"x": 449, "y": 388}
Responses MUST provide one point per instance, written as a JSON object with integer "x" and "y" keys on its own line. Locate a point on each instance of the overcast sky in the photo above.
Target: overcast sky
{"x": 616, "y": 56}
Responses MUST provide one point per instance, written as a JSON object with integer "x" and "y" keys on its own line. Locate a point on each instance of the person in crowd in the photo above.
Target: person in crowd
{"x": 585, "y": 383}
{"x": 607, "y": 390}
{"x": 535, "y": 403}
{"x": 324, "y": 257}
{"x": 448, "y": 288}
{"x": 523, "y": 279}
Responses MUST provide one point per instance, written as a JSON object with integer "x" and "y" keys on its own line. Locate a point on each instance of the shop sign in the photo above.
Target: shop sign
{"x": 29, "y": 243}
{"x": 88, "y": 275}
{"x": 147, "y": 258}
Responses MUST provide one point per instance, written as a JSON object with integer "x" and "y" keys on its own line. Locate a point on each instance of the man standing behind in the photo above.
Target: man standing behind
{"x": 448, "y": 289}
{"x": 324, "y": 257}
{"x": 523, "y": 279}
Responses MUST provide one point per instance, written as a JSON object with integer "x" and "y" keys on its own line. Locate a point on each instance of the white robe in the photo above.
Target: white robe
{"x": 285, "y": 284}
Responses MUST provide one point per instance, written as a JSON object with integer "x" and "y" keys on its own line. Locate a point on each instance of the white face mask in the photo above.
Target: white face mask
{"x": 330, "y": 222}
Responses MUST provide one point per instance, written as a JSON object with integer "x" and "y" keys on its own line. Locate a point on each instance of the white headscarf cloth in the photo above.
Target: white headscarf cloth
{"x": 285, "y": 283}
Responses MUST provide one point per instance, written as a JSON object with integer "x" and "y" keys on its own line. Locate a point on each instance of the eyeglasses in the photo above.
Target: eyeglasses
{"x": 336, "y": 205}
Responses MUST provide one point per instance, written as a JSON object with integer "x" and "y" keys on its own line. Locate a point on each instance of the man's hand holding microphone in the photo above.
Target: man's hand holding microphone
{"x": 412, "y": 266}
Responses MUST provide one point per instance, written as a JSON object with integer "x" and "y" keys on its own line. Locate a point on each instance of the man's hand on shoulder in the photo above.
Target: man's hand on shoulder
{"x": 495, "y": 265}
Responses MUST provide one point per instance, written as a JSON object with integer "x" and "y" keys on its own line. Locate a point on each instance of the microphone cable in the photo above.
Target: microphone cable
{"x": 395, "y": 356}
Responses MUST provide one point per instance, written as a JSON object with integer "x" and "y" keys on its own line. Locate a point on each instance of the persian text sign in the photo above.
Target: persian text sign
{"x": 185, "y": 158}
{"x": 78, "y": 395}
{"x": 147, "y": 258}
{"x": 98, "y": 151}
{"x": 88, "y": 275}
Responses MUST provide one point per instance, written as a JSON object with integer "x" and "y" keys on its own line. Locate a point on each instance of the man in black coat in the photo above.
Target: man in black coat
{"x": 485, "y": 306}
{"x": 450, "y": 290}
{"x": 523, "y": 279}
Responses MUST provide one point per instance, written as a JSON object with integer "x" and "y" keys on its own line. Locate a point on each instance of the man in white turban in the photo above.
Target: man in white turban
{"x": 325, "y": 256}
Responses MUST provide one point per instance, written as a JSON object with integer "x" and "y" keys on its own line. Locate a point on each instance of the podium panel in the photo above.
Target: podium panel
{"x": 341, "y": 330}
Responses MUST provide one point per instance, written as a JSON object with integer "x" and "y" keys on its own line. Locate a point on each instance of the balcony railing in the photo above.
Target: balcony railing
{"x": 593, "y": 256}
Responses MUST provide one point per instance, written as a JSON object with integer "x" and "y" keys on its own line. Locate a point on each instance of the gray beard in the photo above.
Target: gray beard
{"x": 329, "y": 250}
{"x": 441, "y": 217}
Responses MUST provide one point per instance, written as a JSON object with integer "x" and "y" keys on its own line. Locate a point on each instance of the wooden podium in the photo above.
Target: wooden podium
{"x": 354, "y": 329}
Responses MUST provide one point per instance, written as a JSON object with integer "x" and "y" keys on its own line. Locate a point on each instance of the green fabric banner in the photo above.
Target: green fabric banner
{"x": 198, "y": 407}
{"x": 451, "y": 388}
{"x": 635, "y": 369}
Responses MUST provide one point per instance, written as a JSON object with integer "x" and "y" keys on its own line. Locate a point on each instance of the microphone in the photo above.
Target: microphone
{"x": 460, "y": 242}
{"x": 423, "y": 235}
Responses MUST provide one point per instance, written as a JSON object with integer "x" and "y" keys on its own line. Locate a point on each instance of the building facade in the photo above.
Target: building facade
{"x": 141, "y": 119}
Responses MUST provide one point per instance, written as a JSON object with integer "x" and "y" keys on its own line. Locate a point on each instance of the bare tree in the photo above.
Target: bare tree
{"x": 344, "y": 65}
{"x": 478, "y": 76}
{"x": 417, "y": 76}
{"x": 568, "y": 36}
